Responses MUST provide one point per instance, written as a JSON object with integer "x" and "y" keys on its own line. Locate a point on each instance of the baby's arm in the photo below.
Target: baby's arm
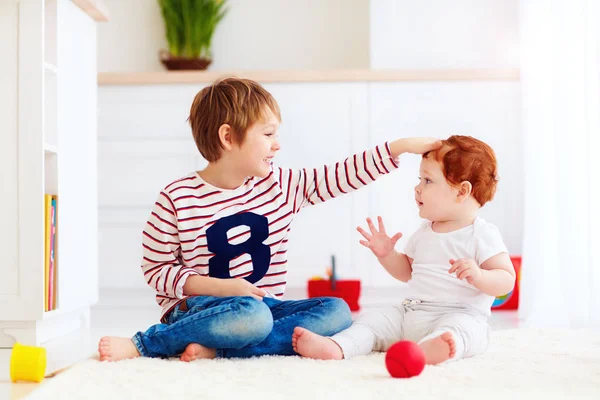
{"x": 491, "y": 270}
{"x": 398, "y": 265}
{"x": 497, "y": 271}
{"x": 497, "y": 276}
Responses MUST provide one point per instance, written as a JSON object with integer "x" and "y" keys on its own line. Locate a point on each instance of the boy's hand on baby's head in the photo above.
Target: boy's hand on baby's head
{"x": 240, "y": 287}
{"x": 378, "y": 241}
{"x": 465, "y": 269}
{"x": 417, "y": 145}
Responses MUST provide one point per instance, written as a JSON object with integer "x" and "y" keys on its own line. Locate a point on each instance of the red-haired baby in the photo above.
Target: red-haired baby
{"x": 455, "y": 264}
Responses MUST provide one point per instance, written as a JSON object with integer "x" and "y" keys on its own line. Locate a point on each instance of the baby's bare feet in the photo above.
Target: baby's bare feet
{"x": 195, "y": 351}
{"x": 439, "y": 349}
{"x": 311, "y": 345}
{"x": 112, "y": 348}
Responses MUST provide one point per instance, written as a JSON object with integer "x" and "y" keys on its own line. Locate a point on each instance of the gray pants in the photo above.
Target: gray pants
{"x": 416, "y": 321}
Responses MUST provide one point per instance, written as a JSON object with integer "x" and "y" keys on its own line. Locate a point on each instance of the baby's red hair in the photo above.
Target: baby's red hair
{"x": 464, "y": 158}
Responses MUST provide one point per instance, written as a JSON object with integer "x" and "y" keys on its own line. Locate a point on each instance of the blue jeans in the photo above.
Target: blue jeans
{"x": 242, "y": 326}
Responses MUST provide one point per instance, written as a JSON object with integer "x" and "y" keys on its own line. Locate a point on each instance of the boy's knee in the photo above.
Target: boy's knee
{"x": 340, "y": 315}
{"x": 254, "y": 320}
{"x": 335, "y": 303}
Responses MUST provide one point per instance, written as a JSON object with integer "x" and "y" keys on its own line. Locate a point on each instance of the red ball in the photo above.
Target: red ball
{"x": 405, "y": 359}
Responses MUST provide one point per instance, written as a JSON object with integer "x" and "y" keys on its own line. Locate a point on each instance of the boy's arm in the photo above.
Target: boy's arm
{"x": 417, "y": 145}
{"x": 197, "y": 285}
{"x": 162, "y": 269}
{"x": 314, "y": 186}
{"x": 165, "y": 273}
{"x": 160, "y": 241}
{"x": 398, "y": 265}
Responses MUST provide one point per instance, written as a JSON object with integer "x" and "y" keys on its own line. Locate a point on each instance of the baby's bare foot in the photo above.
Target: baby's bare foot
{"x": 439, "y": 349}
{"x": 195, "y": 351}
{"x": 112, "y": 348}
{"x": 311, "y": 345}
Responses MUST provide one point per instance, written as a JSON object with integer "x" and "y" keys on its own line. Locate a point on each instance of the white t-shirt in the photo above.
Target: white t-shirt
{"x": 431, "y": 253}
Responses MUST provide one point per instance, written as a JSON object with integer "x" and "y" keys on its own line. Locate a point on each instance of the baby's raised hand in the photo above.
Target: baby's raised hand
{"x": 465, "y": 269}
{"x": 378, "y": 241}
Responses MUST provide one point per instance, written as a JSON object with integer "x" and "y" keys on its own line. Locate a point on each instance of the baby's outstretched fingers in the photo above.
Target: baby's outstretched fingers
{"x": 371, "y": 226}
{"x": 396, "y": 237}
{"x": 365, "y": 234}
{"x": 381, "y": 226}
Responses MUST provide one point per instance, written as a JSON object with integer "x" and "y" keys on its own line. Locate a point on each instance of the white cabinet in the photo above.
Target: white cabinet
{"x": 48, "y": 146}
{"x": 9, "y": 241}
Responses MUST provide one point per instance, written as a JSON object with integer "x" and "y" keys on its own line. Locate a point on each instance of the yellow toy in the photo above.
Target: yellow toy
{"x": 27, "y": 363}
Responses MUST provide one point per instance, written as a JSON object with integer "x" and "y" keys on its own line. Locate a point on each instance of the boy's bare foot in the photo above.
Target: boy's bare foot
{"x": 311, "y": 345}
{"x": 439, "y": 349}
{"x": 195, "y": 351}
{"x": 112, "y": 348}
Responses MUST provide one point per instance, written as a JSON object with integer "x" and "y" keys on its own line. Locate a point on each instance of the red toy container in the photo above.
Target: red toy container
{"x": 510, "y": 301}
{"x": 346, "y": 289}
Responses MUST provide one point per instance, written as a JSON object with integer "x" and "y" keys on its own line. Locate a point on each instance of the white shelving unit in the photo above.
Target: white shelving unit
{"x": 48, "y": 146}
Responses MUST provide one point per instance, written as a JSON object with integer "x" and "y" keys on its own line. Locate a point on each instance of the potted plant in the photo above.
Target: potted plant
{"x": 189, "y": 27}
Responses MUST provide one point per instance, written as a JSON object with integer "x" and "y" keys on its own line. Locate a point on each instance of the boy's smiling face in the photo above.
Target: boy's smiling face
{"x": 259, "y": 146}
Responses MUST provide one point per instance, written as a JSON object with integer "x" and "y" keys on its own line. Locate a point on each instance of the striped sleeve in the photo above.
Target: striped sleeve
{"x": 312, "y": 186}
{"x": 161, "y": 264}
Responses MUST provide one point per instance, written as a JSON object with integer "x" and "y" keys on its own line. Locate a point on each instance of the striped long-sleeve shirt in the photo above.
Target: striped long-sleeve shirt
{"x": 197, "y": 229}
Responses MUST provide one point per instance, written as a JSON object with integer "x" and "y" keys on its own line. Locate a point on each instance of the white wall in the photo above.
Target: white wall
{"x": 444, "y": 34}
{"x": 255, "y": 34}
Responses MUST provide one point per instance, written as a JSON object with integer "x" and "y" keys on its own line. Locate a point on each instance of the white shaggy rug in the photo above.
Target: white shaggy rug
{"x": 519, "y": 364}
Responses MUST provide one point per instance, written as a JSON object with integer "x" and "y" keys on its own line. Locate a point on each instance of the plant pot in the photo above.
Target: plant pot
{"x": 183, "y": 63}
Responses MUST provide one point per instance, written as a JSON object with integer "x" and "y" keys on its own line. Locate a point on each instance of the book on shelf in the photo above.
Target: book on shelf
{"x": 47, "y": 230}
{"x": 50, "y": 242}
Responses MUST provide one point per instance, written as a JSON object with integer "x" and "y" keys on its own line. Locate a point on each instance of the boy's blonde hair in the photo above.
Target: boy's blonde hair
{"x": 464, "y": 158}
{"x": 240, "y": 103}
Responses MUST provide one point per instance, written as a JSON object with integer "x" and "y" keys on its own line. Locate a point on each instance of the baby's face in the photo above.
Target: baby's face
{"x": 436, "y": 199}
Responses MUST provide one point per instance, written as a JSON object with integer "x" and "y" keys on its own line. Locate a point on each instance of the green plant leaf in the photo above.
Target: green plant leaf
{"x": 190, "y": 25}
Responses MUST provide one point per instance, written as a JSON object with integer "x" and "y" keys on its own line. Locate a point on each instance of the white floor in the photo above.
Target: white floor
{"x": 111, "y": 318}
